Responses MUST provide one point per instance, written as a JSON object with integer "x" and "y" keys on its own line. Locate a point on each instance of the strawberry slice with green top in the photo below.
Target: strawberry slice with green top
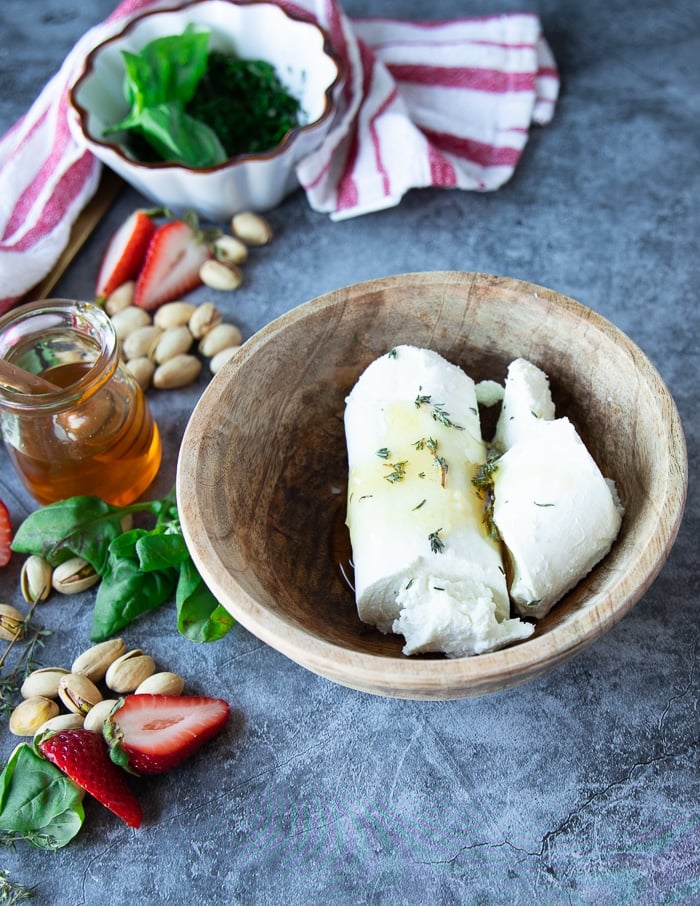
{"x": 150, "y": 734}
{"x": 84, "y": 757}
{"x": 5, "y": 535}
{"x": 175, "y": 254}
{"x": 125, "y": 252}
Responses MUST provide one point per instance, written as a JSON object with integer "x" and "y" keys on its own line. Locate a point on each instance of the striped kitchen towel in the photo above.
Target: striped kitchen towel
{"x": 447, "y": 104}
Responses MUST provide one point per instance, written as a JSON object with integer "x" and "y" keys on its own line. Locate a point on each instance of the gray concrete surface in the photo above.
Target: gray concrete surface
{"x": 581, "y": 787}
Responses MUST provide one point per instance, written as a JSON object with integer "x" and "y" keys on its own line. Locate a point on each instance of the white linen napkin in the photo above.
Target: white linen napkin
{"x": 445, "y": 104}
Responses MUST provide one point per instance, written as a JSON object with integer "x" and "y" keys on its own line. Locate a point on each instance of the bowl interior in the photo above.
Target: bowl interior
{"x": 262, "y": 470}
{"x": 299, "y": 51}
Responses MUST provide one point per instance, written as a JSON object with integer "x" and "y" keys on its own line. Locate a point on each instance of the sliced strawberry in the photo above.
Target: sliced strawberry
{"x": 150, "y": 734}
{"x": 5, "y": 535}
{"x": 175, "y": 254}
{"x": 84, "y": 757}
{"x": 125, "y": 252}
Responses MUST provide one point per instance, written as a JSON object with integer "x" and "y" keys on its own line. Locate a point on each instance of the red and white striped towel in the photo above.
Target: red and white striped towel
{"x": 446, "y": 104}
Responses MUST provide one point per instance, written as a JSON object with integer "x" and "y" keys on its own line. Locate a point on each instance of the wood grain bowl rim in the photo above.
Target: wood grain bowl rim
{"x": 433, "y": 679}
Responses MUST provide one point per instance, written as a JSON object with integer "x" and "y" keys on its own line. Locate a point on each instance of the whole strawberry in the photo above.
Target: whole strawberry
{"x": 84, "y": 757}
{"x": 150, "y": 734}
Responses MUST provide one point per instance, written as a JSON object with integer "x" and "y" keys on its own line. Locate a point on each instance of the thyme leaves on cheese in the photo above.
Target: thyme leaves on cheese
{"x": 437, "y": 545}
{"x": 483, "y": 482}
{"x": 437, "y": 410}
{"x": 398, "y": 471}
{"x": 431, "y": 445}
{"x": 383, "y": 453}
{"x": 418, "y": 506}
{"x": 393, "y": 353}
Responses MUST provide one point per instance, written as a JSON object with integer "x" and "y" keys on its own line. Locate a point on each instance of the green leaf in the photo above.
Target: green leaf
{"x": 200, "y": 617}
{"x": 126, "y": 592}
{"x": 38, "y": 803}
{"x": 160, "y": 549}
{"x": 178, "y": 137}
{"x": 79, "y": 526}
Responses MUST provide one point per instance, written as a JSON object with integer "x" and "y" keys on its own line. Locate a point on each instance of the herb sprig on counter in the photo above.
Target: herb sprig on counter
{"x": 140, "y": 569}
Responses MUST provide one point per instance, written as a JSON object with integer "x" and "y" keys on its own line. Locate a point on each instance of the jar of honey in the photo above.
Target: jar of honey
{"x": 84, "y": 427}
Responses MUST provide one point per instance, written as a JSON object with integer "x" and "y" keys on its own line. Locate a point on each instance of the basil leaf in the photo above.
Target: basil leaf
{"x": 79, "y": 526}
{"x": 38, "y": 803}
{"x": 157, "y": 550}
{"x": 178, "y": 137}
{"x": 200, "y": 617}
{"x": 126, "y": 592}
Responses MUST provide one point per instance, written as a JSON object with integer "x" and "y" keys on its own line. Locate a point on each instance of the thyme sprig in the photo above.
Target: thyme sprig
{"x": 398, "y": 471}
{"x": 437, "y": 410}
{"x": 25, "y": 662}
{"x": 437, "y": 545}
{"x": 431, "y": 445}
{"x": 12, "y": 892}
{"x": 483, "y": 482}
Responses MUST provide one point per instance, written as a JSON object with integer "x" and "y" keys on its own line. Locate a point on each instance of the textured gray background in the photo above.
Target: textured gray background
{"x": 580, "y": 787}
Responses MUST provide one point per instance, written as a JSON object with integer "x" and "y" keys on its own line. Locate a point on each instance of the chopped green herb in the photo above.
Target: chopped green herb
{"x": 542, "y": 504}
{"x": 437, "y": 545}
{"x": 408, "y": 584}
{"x": 383, "y": 453}
{"x": 438, "y": 588}
{"x": 533, "y": 603}
{"x": 421, "y": 474}
{"x": 421, "y": 401}
{"x": 483, "y": 482}
{"x": 398, "y": 471}
{"x": 419, "y": 505}
{"x": 393, "y": 353}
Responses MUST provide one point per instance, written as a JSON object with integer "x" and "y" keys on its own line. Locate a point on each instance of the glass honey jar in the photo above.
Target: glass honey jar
{"x": 84, "y": 427}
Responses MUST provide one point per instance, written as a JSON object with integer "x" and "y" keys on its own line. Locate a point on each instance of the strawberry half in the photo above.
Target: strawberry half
{"x": 84, "y": 757}
{"x": 175, "y": 254}
{"x": 150, "y": 734}
{"x": 126, "y": 252}
{"x": 5, "y": 535}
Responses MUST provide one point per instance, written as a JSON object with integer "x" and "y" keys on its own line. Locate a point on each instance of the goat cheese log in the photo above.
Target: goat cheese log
{"x": 425, "y": 566}
{"x": 555, "y": 512}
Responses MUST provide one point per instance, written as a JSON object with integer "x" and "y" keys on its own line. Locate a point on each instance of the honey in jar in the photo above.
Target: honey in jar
{"x": 92, "y": 432}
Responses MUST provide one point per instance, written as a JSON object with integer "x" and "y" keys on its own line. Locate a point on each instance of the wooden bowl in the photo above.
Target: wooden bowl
{"x": 262, "y": 472}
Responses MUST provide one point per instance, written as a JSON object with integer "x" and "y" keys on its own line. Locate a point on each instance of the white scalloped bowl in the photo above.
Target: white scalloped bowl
{"x": 299, "y": 50}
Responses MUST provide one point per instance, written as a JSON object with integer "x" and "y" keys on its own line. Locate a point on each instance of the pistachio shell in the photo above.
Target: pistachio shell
{"x": 251, "y": 228}
{"x": 179, "y": 371}
{"x": 78, "y": 693}
{"x": 172, "y": 342}
{"x": 128, "y": 319}
{"x": 219, "y": 360}
{"x": 35, "y": 579}
{"x": 142, "y": 341}
{"x": 174, "y": 314}
{"x": 230, "y": 250}
{"x": 220, "y": 337}
{"x": 30, "y": 714}
{"x": 94, "y": 662}
{"x": 43, "y": 682}
{"x": 73, "y": 576}
{"x": 61, "y": 722}
{"x": 203, "y": 319}
{"x": 218, "y": 275}
{"x": 129, "y": 671}
{"x": 98, "y": 714}
{"x": 11, "y": 623}
{"x": 163, "y": 683}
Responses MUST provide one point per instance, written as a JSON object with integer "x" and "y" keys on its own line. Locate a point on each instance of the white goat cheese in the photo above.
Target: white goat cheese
{"x": 526, "y": 400}
{"x": 425, "y": 566}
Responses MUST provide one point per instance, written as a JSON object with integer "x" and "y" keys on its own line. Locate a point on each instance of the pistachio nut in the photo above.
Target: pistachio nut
{"x": 251, "y": 228}
{"x": 217, "y": 275}
{"x": 163, "y": 683}
{"x": 78, "y": 693}
{"x": 98, "y": 714}
{"x": 141, "y": 341}
{"x": 61, "y": 722}
{"x": 94, "y": 662}
{"x": 73, "y": 576}
{"x": 217, "y": 361}
{"x": 11, "y": 623}
{"x": 174, "y": 314}
{"x": 128, "y": 319}
{"x": 30, "y": 714}
{"x": 204, "y": 317}
{"x": 179, "y": 371}
{"x": 43, "y": 682}
{"x": 120, "y": 298}
{"x": 129, "y": 671}
{"x": 35, "y": 579}
{"x": 230, "y": 250}
{"x": 141, "y": 369}
{"x": 172, "y": 342}
{"x": 220, "y": 337}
